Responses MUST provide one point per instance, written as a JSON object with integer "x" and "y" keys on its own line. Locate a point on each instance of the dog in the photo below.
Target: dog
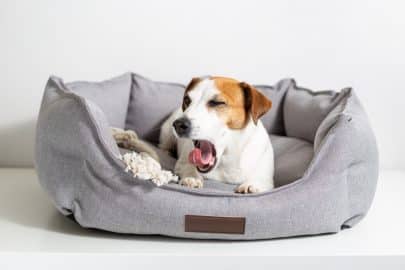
{"x": 218, "y": 135}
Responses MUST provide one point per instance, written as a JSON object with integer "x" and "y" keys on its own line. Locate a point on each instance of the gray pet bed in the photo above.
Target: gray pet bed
{"x": 326, "y": 163}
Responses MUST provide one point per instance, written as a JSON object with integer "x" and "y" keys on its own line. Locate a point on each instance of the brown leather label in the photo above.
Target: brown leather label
{"x": 210, "y": 224}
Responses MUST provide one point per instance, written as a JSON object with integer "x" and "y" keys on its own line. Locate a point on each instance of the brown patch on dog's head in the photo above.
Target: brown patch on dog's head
{"x": 241, "y": 99}
{"x": 186, "y": 100}
{"x": 194, "y": 81}
{"x": 235, "y": 101}
{"x": 256, "y": 103}
{"x": 233, "y": 112}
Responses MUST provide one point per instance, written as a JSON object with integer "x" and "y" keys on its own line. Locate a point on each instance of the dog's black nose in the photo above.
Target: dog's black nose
{"x": 182, "y": 126}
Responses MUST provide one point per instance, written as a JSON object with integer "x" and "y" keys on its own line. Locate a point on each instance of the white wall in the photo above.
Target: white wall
{"x": 323, "y": 44}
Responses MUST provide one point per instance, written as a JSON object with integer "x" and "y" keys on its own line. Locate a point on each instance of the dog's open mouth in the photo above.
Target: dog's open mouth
{"x": 203, "y": 156}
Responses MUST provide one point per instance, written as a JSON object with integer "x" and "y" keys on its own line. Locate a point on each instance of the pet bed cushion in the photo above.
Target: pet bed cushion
{"x": 326, "y": 163}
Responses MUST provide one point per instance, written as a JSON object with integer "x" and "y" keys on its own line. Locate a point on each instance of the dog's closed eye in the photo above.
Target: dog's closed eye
{"x": 215, "y": 103}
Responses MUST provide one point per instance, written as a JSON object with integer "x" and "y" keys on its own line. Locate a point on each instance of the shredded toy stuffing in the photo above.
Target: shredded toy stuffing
{"x": 144, "y": 167}
{"x": 145, "y": 164}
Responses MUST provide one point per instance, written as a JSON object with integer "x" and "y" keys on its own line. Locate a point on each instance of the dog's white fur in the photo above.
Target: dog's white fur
{"x": 244, "y": 156}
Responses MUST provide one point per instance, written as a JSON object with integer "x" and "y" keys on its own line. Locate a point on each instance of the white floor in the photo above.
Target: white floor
{"x": 30, "y": 226}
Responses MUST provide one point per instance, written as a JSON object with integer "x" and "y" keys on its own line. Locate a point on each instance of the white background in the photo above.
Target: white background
{"x": 323, "y": 44}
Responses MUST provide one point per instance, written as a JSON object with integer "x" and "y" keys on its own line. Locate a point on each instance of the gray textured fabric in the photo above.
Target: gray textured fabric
{"x": 150, "y": 103}
{"x": 291, "y": 158}
{"x": 111, "y": 96}
{"x": 304, "y": 110}
{"x": 77, "y": 165}
{"x": 331, "y": 118}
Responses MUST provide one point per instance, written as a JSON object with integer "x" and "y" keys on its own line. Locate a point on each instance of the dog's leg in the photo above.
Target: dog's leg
{"x": 258, "y": 173}
{"x": 129, "y": 140}
{"x": 247, "y": 187}
{"x": 255, "y": 185}
{"x": 189, "y": 175}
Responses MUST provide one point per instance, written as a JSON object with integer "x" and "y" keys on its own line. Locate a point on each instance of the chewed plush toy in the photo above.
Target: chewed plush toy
{"x": 144, "y": 164}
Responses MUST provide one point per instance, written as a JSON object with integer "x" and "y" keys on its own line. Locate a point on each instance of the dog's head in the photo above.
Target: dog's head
{"x": 213, "y": 107}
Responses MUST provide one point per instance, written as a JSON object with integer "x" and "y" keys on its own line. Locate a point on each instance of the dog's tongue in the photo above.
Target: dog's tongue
{"x": 202, "y": 155}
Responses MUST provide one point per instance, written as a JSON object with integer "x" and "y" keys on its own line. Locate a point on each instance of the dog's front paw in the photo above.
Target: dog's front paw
{"x": 247, "y": 188}
{"x": 191, "y": 182}
{"x": 124, "y": 138}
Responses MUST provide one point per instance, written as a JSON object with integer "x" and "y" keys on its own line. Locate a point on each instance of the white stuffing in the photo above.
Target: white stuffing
{"x": 146, "y": 168}
{"x": 145, "y": 164}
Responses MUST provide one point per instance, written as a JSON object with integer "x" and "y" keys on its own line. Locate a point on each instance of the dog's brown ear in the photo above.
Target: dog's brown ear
{"x": 256, "y": 103}
{"x": 194, "y": 81}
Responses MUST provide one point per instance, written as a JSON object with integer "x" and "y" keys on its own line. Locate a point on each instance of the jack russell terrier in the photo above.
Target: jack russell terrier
{"x": 219, "y": 136}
